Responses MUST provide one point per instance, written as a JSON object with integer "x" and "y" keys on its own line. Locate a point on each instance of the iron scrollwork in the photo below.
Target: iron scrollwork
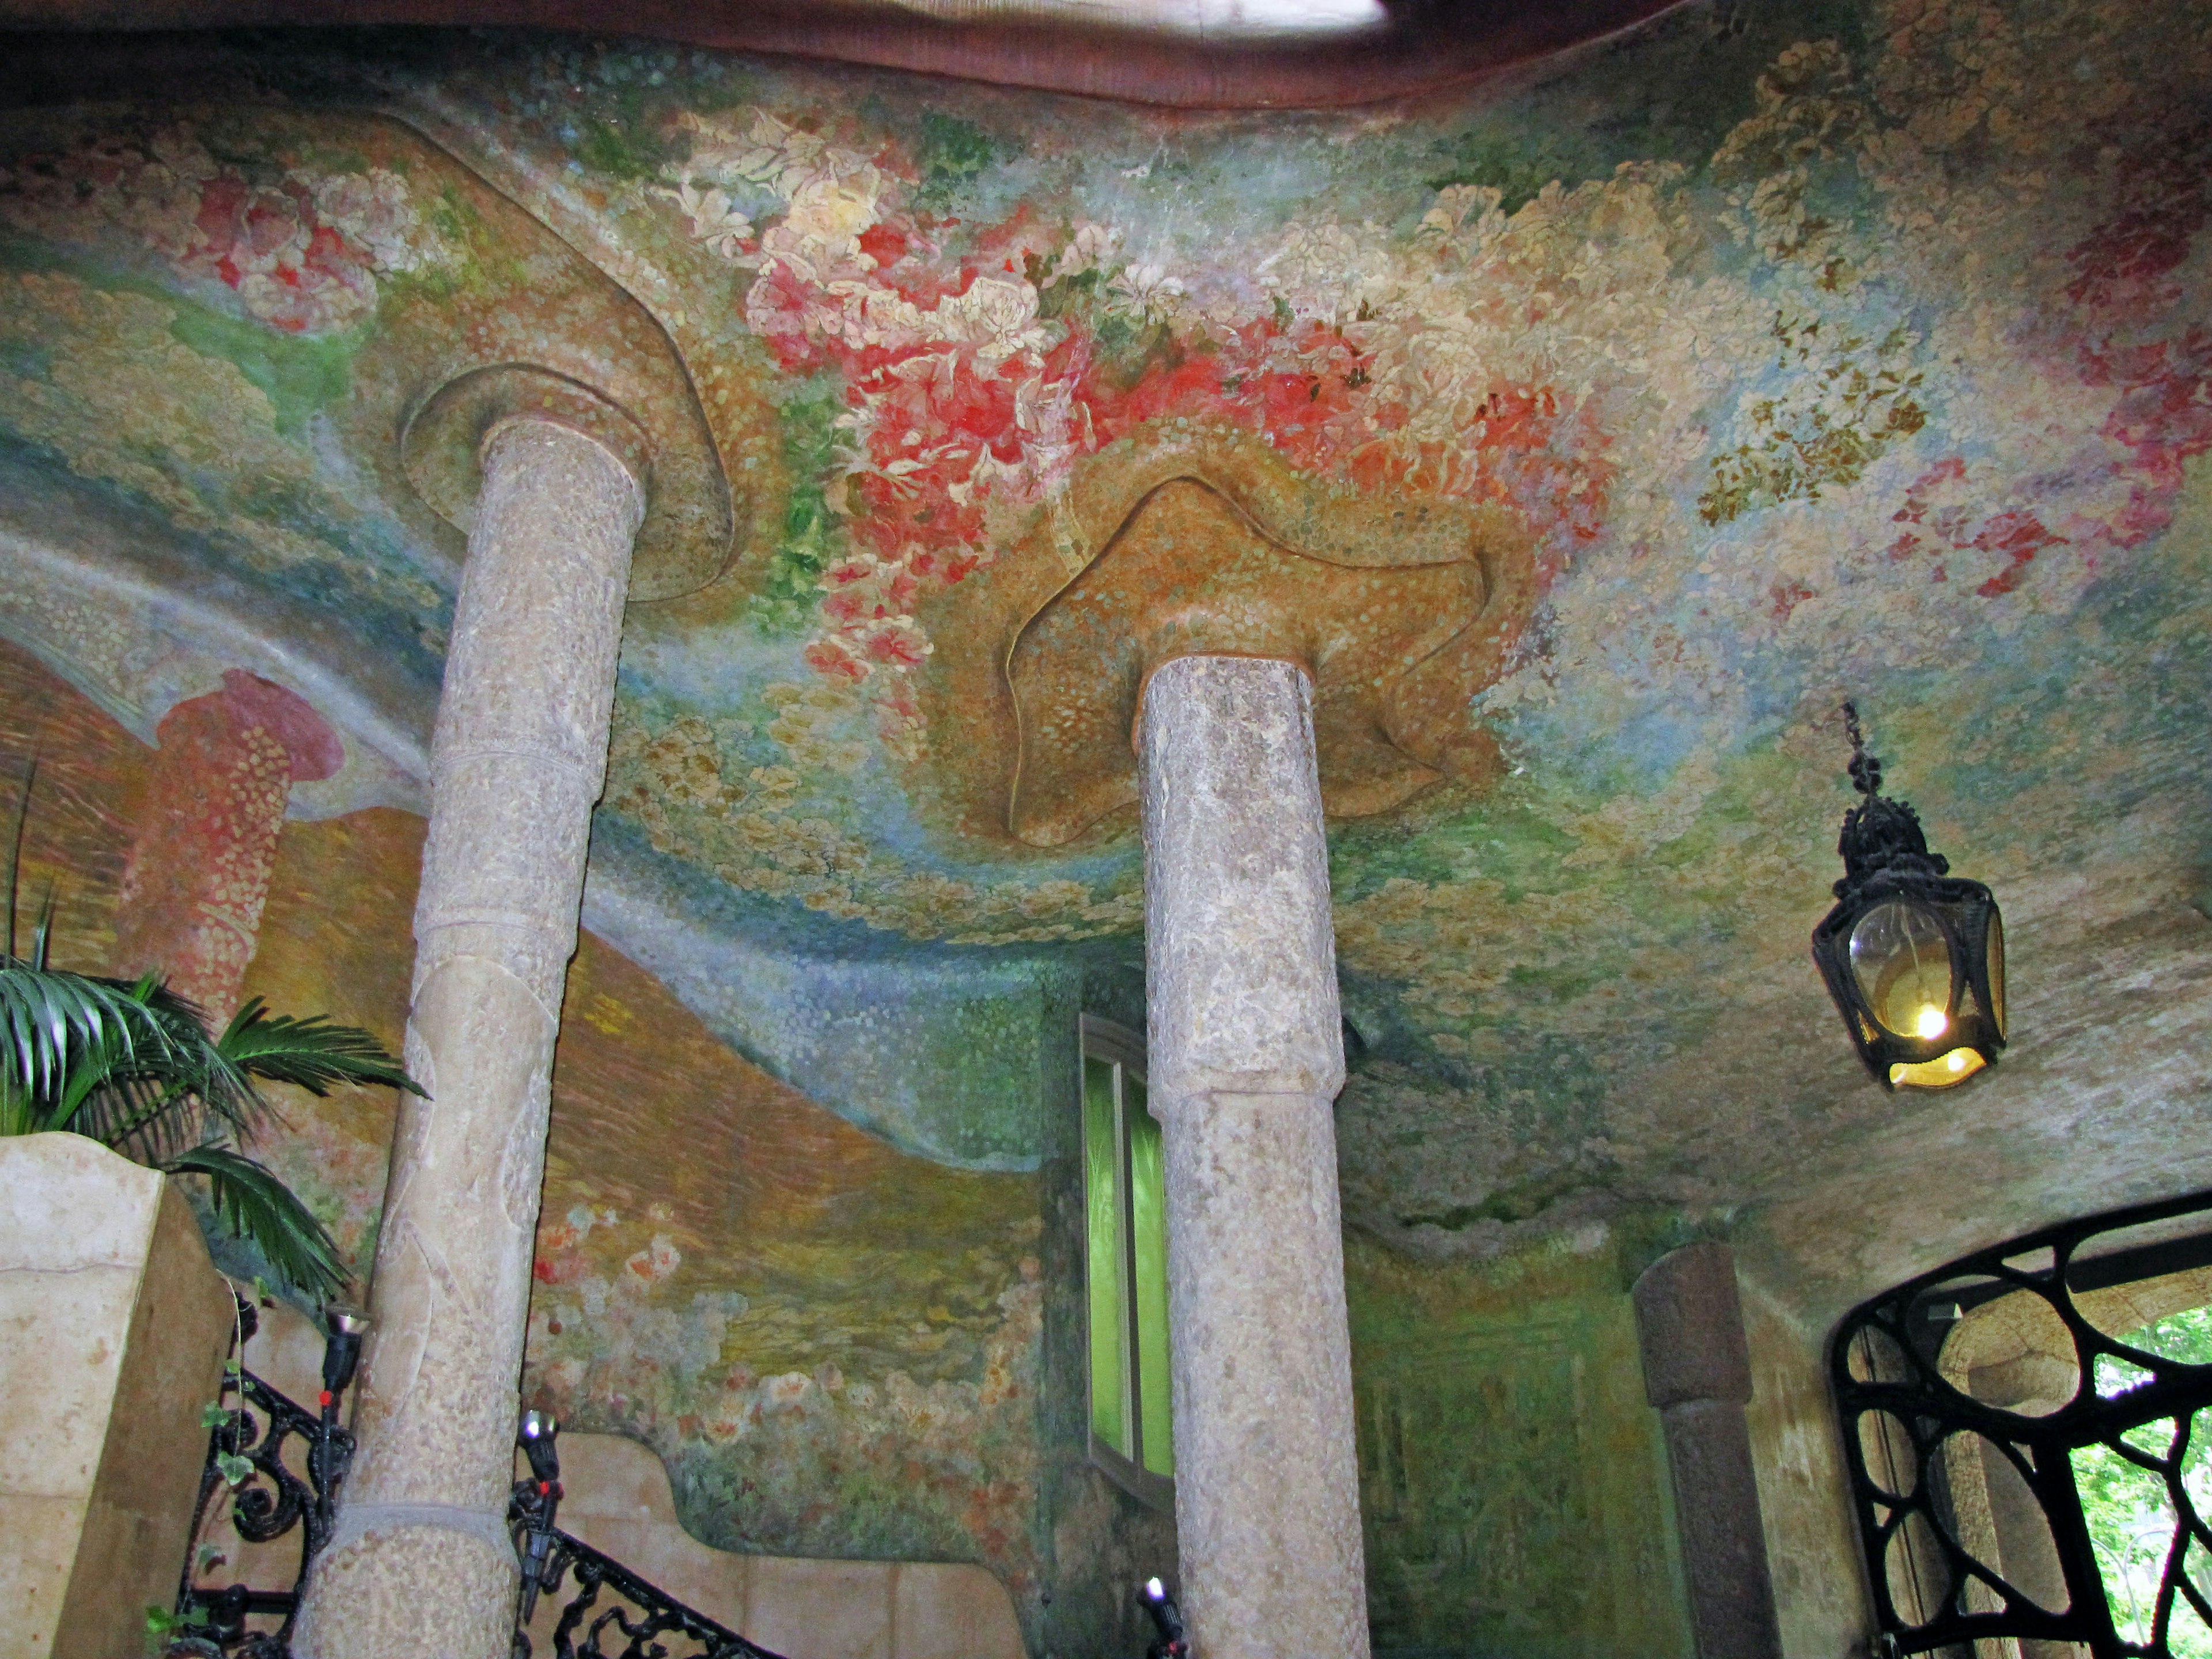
{"x": 269, "y": 1499}
{"x": 585, "y": 1629}
{"x": 1972, "y": 1398}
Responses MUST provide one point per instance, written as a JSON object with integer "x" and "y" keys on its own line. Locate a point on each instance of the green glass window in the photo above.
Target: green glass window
{"x": 1131, "y": 1435}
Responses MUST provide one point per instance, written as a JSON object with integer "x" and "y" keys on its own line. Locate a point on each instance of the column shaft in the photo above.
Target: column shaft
{"x": 1697, "y": 1373}
{"x": 1245, "y": 1054}
{"x": 420, "y": 1562}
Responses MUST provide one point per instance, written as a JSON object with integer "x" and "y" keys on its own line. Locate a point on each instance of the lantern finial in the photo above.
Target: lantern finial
{"x": 1879, "y": 833}
{"x": 1866, "y": 770}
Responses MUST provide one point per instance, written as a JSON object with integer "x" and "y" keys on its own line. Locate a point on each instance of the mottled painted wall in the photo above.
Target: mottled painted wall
{"x": 78, "y": 836}
{"x": 1513, "y": 1482}
{"x": 838, "y": 1348}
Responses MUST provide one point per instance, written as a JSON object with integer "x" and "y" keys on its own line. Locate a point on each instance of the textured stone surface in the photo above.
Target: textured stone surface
{"x": 408, "y": 1584}
{"x": 1697, "y": 1370}
{"x": 1239, "y": 954}
{"x": 112, "y": 1328}
{"x": 1245, "y": 1054}
{"x": 517, "y": 761}
{"x": 1812, "y": 1551}
{"x": 1689, "y": 1321}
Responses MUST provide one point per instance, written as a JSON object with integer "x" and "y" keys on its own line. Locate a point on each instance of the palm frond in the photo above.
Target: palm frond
{"x": 150, "y": 1105}
{"x": 42, "y": 933}
{"x": 52, "y": 1022}
{"x": 127, "y": 1062}
{"x": 261, "y": 1209}
{"x": 313, "y": 1052}
{"x": 16, "y": 850}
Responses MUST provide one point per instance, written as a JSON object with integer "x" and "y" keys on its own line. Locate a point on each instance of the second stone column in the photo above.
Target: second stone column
{"x": 1245, "y": 1055}
{"x": 419, "y": 1561}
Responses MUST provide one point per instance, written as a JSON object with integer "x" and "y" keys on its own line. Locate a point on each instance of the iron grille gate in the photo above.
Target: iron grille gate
{"x": 1970, "y": 1509}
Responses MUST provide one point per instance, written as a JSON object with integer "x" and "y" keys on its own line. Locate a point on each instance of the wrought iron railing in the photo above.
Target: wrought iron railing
{"x": 269, "y": 1498}
{"x": 1969, "y": 1484}
{"x": 585, "y": 1628}
{"x": 611, "y": 1612}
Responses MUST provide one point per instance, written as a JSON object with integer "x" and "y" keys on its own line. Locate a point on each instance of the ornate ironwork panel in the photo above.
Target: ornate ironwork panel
{"x": 2029, "y": 1431}
{"x": 269, "y": 1498}
{"x": 611, "y": 1612}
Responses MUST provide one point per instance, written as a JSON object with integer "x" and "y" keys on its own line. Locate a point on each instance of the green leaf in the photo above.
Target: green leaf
{"x": 163, "y": 1621}
{"x": 53, "y": 1025}
{"x": 16, "y": 851}
{"x": 128, "y": 1063}
{"x": 233, "y": 1468}
{"x": 313, "y": 1054}
{"x": 262, "y": 1210}
{"x": 214, "y": 1414}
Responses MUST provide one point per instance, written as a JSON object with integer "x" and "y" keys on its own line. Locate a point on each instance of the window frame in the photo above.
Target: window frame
{"x": 1103, "y": 1039}
{"x": 1895, "y": 1405}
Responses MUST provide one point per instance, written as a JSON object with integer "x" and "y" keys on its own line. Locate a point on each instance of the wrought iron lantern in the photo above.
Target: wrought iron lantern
{"x": 1913, "y": 956}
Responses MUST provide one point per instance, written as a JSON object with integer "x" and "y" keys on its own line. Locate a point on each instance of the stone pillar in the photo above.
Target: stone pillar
{"x": 419, "y": 1562}
{"x": 1697, "y": 1374}
{"x": 197, "y": 874}
{"x": 1245, "y": 1054}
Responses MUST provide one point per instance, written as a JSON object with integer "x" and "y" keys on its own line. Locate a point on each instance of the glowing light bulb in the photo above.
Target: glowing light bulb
{"x": 1931, "y": 1021}
{"x": 1956, "y": 1059}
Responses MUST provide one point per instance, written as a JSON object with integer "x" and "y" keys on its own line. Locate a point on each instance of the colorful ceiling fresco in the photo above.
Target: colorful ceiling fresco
{"x": 1637, "y": 413}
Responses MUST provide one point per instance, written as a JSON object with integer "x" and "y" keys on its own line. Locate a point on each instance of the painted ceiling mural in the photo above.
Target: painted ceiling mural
{"x": 1653, "y": 403}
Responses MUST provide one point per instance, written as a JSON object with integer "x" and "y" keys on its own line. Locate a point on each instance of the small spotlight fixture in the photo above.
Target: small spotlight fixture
{"x": 1913, "y": 956}
{"x": 344, "y": 1329}
{"x": 1173, "y": 1640}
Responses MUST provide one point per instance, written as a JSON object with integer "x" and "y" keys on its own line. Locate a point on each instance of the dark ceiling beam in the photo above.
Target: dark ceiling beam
{"x": 1423, "y": 47}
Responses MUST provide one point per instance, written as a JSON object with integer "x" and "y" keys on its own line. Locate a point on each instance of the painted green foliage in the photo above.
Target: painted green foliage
{"x": 1512, "y": 1479}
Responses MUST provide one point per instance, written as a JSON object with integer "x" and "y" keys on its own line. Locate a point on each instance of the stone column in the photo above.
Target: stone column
{"x": 1245, "y": 1054}
{"x": 1697, "y": 1374}
{"x": 198, "y": 871}
{"x": 420, "y": 1562}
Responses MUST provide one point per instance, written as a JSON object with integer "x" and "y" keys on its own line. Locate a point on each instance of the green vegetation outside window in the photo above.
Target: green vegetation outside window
{"x": 1127, "y": 1260}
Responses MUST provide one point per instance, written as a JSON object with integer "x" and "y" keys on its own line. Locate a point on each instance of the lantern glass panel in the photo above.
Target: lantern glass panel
{"x": 1903, "y": 964}
{"x": 1939, "y": 1073}
{"x": 1996, "y": 950}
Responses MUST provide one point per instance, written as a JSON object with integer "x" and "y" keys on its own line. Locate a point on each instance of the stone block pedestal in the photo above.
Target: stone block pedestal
{"x": 113, "y": 1325}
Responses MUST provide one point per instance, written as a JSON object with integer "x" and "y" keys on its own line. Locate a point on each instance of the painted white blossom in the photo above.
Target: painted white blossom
{"x": 374, "y": 211}
{"x": 1147, "y": 287}
{"x": 713, "y": 220}
{"x": 997, "y": 316}
{"x": 1331, "y": 272}
{"x": 1092, "y": 249}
